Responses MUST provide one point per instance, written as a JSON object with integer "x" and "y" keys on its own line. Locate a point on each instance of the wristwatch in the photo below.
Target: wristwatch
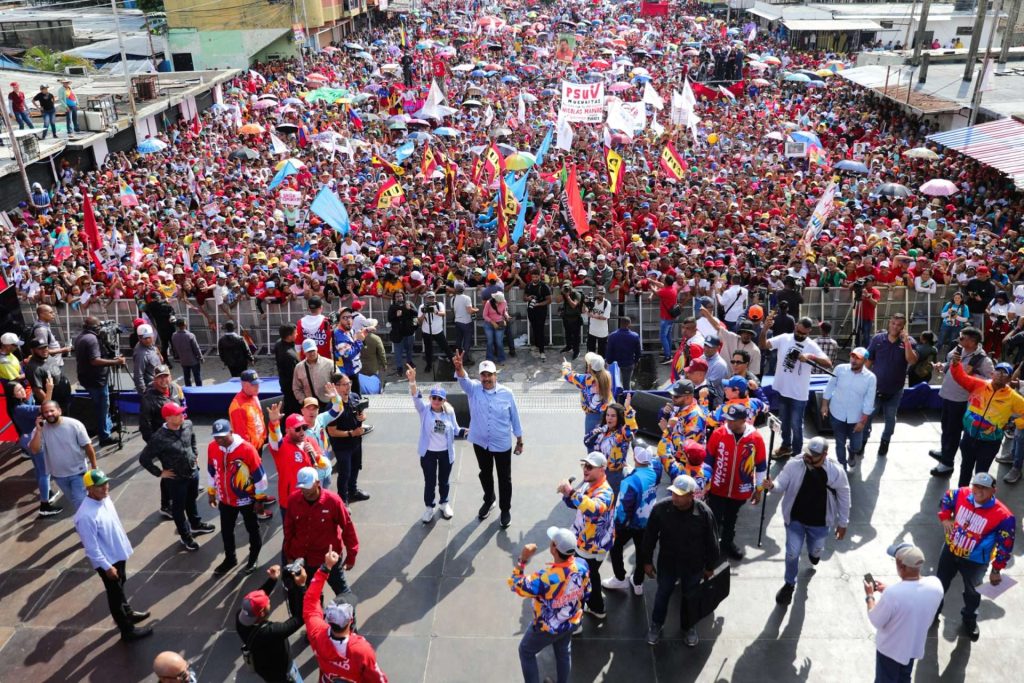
{"x": 869, "y": 597}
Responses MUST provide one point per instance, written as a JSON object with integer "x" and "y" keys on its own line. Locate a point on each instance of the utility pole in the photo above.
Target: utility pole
{"x": 972, "y": 51}
{"x": 15, "y": 147}
{"x": 921, "y": 26}
{"x": 976, "y": 99}
{"x": 1011, "y": 24}
{"x": 295, "y": 20}
{"x": 124, "y": 61}
{"x": 910, "y": 22}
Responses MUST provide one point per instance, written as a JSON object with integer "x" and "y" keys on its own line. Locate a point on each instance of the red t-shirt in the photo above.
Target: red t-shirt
{"x": 667, "y": 297}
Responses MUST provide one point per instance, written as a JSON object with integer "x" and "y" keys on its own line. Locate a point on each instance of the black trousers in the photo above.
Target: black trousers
{"x": 228, "y": 517}
{"x": 596, "y": 600}
{"x": 165, "y": 495}
{"x": 624, "y": 535}
{"x": 598, "y": 344}
{"x": 236, "y": 370}
{"x": 184, "y": 493}
{"x": 572, "y": 334}
{"x": 976, "y": 456}
{"x": 488, "y": 462}
{"x": 538, "y": 317}
{"x": 116, "y": 600}
{"x": 726, "y": 510}
{"x": 428, "y": 347}
{"x": 952, "y": 429}
{"x": 349, "y": 460}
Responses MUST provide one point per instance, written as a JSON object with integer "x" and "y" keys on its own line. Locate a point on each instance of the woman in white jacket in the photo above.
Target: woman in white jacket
{"x": 438, "y": 430}
{"x": 824, "y": 495}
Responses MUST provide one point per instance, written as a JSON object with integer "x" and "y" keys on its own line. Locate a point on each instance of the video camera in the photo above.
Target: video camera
{"x": 858, "y": 285}
{"x": 108, "y": 332}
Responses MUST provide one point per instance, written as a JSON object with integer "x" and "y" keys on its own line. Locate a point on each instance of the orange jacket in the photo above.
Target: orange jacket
{"x": 246, "y": 417}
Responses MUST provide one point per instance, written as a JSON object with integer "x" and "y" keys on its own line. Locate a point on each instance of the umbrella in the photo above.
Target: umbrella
{"x": 320, "y": 78}
{"x": 460, "y": 67}
{"x": 771, "y": 59}
{"x": 244, "y": 154}
{"x": 501, "y": 132}
{"x": 527, "y": 97}
{"x": 151, "y": 145}
{"x": 488, "y": 22}
{"x": 852, "y": 166}
{"x": 354, "y": 46}
{"x": 774, "y": 135}
{"x": 329, "y": 48}
{"x": 798, "y": 78}
{"x": 418, "y": 122}
{"x": 264, "y": 104}
{"x": 921, "y": 153}
{"x": 937, "y": 187}
{"x": 509, "y": 79}
{"x": 419, "y": 136}
{"x": 479, "y": 73}
{"x": 397, "y": 125}
{"x": 268, "y": 97}
{"x": 472, "y": 103}
{"x": 760, "y": 82}
{"x": 621, "y": 139}
{"x": 806, "y": 136}
{"x": 594, "y": 77}
{"x": 548, "y": 92}
{"x": 493, "y": 46}
{"x": 815, "y": 84}
{"x": 294, "y": 162}
{"x": 446, "y": 132}
{"x": 621, "y": 86}
{"x": 507, "y": 150}
{"x": 250, "y": 129}
{"x": 690, "y": 52}
{"x": 600, "y": 64}
{"x": 392, "y": 67}
{"x": 295, "y": 100}
{"x": 364, "y": 55}
{"x": 520, "y": 161}
{"x": 894, "y": 190}
{"x": 287, "y": 127}
{"x": 758, "y": 66}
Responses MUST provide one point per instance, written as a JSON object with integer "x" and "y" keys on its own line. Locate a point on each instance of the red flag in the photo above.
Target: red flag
{"x": 576, "y": 210}
{"x": 92, "y": 233}
{"x": 197, "y": 124}
{"x": 536, "y": 224}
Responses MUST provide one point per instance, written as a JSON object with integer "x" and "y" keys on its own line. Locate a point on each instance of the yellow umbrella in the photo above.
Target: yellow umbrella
{"x": 295, "y": 162}
{"x": 825, "y": 73}
{"x": 520, "y": 161}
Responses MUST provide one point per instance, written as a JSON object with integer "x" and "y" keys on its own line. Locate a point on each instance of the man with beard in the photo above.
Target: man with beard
{"x": 66, "y": 447}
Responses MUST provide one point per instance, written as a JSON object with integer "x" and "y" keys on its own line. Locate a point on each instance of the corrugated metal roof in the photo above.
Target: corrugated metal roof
{"x": 999, "y": 144}
{"x": 834, "y": 25}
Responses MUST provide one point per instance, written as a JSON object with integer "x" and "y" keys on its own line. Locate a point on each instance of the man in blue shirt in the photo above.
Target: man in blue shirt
{"x": 108, "y": 549}
{"x": 493, "y": 420}
{"x": 637, "y": 495}
{"x": 624, "y": 349}
{"x": 849, "y": 401}
{"x": 890, "y": 353}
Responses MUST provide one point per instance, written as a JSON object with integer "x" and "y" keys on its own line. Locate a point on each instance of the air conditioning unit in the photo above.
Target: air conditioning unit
{"x": 29, "y": 145}
{"x": 75, "y": 70}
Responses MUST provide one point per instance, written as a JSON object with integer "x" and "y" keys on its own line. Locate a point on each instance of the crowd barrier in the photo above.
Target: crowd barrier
{"x": 923, "y": 311}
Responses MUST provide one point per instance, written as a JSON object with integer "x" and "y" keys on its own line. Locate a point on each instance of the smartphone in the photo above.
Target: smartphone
{"x": 959, "y": 350}
{"x": 869, "y": 579}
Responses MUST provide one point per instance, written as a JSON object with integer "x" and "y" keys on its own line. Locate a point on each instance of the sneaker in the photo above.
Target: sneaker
{"x": 506, "y": 519}
{"x": 593, "y": 613}
{"x": 691, "y": 638}
{"x": 1012, "y": 477}
{"x": 367, "y": 429}
{"x": 55, "y": 496}
{"x": 783, "y": 452}
{"x": 813, "y": 558}
{"x": 266, "y": 501}
{"x": 941, "y": 470}
{"x": 785, "y": 594}
{"x": 428, "y": 515}
{"x": 137, "y": 617}
{"x": 202, "y": 528}
{"x": 225, "y": 566}
{"x": 564, "y": 349}
{"x": 190, "y": 544}
{"x": 665, "y": 362}
{"x": 250, "y": 566}
{"x": 166, "y": 513}
{"x": 485, "y": 510}
{"x": 446, "y": 511}
{"x": 1005, "y": 459}
{"x": 638, "y": 588}
{"x": 613, "y": 584}
{"x": 358, "y": 495}
{"x": 733, "y": 551}
{"x": 543, "y": 357}
{"x": 263, "y": 515}
{"x": 653, "y": 634}
{"x": 936, "y": 454}
{"x": 107, "y": 442}
{"x": 49, "y": 510}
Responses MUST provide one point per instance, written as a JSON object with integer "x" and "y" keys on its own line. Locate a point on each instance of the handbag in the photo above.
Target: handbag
{"x": 705, "y": 597}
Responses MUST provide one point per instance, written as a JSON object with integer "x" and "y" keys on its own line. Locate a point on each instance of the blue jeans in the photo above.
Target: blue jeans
{"x": 495, "y": 343}
{"x": 1017, "y": 449}
{"x": 887, "y": 409}
{"x": 867, "y": 329}
{"x": 193, "y": 373}
{"x": 39, "y": 463}
{"x": 888, "y": 670}
{"x": 973, "y": 573}
{"x": 437, "y": 469}
{"x": 23, "y": 119}
{"x": 71, "y": 115}
{"x": 533, "y": 642}
{"x": 464, "y": 336}
{"x": 665, "y": 335}
{"x": 843, "y": 433}
{"x": 403, "y": 353}
{"x": 795, "y": 535}
{"x": 50, "y": 121}
{"x": 791, "y": 414}
{"x": 666, "y": 586}
{"x": 73, "y": 488}
{"x": 100, "y": 397}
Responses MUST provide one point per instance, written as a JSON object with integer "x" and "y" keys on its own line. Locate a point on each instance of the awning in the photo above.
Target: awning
{"x": 999, "y": 144}
{"x": 770, "y": 15}
{"x": 832, "y": 26}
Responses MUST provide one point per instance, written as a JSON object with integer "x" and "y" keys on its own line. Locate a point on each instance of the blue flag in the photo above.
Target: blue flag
{"x": 286, "y": 170}
{"x": 520, "y": 221}
{"x": 405, "y": 151}
{"x": 544, "y": 145}
{"x": 518, "y": 187}
{"x": 329, "y": 207}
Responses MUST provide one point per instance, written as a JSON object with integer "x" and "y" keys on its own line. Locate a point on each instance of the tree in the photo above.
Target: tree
{"x": 44, "y": 59}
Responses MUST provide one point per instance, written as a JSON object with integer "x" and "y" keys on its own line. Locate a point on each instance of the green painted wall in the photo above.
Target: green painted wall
{"x": 229, "y": 49}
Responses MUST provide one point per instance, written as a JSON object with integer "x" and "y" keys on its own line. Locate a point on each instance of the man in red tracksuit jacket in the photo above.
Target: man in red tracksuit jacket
{"x": 739, "y": 462}
{"x": 342, "y": 654}
{"x": 316, "y": 522}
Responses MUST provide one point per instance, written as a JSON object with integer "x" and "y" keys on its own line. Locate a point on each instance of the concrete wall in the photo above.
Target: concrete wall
{"x": 58, "y": 35}
{"x": 229, "y": 49}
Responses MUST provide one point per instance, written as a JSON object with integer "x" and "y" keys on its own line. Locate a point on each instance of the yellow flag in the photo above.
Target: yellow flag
{"x": 672, "y": 163}
{"x": 615, "y": 170}
{"x": 390, "y": 194}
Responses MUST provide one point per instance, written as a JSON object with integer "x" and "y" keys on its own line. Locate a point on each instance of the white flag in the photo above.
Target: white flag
{"x": 136, "y": 251}
{"x": 752, "y": 34}
{"x": 657, "y": 128}
{"x": 564, "y": 135}
{"x": 652, "y": 97}
{"x": 727, "y": 93}
{"x": 277, "y": 145}
{"x": 521, "y": 114}
{"x": 689, "y": 99}
{"x": 488, "y": 115}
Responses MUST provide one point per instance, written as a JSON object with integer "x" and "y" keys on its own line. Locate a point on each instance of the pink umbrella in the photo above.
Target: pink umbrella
{"x": 938, "y": 187}
{"x": 621, "y": 86}
{"x": 621, "y": 139}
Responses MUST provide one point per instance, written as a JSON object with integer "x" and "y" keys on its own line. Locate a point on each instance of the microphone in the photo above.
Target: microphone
{"x": 571, "y": 480}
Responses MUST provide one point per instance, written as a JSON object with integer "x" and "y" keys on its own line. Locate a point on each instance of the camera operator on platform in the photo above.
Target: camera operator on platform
{"x": 94, "y": 356}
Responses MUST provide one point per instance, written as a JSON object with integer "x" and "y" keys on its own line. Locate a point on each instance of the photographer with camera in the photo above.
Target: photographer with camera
{"x": 346, "y": 435}
{"x": 796, "y": 354}
{"x": 865, "y": 300}
{"x": 265, "y": 645}
{"x": 598, "y": 310}
{"x": 94, "y": 356}
{"x": 431, "y": 320}
{"x": 402, "y": 321}
{"x": 572, "y": 318}
{"x": 537, "y": 295}
{"x": 162, "y": 315}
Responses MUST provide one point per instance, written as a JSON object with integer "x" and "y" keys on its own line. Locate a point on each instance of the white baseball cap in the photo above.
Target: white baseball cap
{"x": 488, "y": 366}
{"x": 10, "y": 338}
{"x": 145, "y": 331}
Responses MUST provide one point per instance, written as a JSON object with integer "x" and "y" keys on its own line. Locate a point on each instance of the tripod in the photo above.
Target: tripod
{"x": 857, "y": 313}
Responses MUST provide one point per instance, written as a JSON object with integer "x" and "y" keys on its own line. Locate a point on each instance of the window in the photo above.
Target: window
{"x": 964, "y": 30}
{"x": 885, "y": 24}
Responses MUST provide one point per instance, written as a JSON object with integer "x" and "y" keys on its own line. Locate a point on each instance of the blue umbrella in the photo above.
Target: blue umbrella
{"x": 798, "y": 78}
{"x": 641, "y": 78}
{"x": 151, "y": 146}
{"x": 548, "y": 92}
{"x": 593, "y": 77}
{"x": 509, "y": 79}
{"x": 378, "y": 42}
{"x": 477, "y": 73}
{"x": 446, "y": 132}
{"x": 852, "y": 166}
{"x": 805, "y": 136}
{"x": 419, "y": 136}
{"x": 815, "y": 84}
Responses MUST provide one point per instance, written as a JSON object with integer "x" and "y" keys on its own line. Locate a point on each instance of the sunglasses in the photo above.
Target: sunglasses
{"x": 738, "y": 362}
{"x": 300, "y": 429}
{"x": 587, "y": 466}
{"x": 436, "y": 398}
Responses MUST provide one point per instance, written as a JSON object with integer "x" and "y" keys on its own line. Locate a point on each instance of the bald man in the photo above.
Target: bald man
{"x": 170, "y": 667}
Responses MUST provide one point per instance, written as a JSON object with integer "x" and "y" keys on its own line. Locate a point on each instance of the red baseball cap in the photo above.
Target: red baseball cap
{"x": 171, "y": 408}
{"x": 254, "y": 606}
{"x": 294, "y": 420}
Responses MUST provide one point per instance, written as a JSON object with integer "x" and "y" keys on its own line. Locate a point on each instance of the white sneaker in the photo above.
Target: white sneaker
{"x": 446, "y": 511}
{"x": 613, "y": 584}
{"x": 638, "y": 588}
{"x": 428, "y": 515}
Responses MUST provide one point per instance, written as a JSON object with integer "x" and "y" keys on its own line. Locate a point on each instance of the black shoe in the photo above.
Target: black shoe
{"x": 190, "y": 544}
{"x": 939, "y": 472}
{"x": 49, "y": 510}
{"x": 202, "y": 528}
{"x": 485, "y": 510}
{"x": 108, "y": 442}
{"x": 250, "y": 566}
{"x": 564, "y": 349}
{"x": 883, "y": 449}
{"x": 733, "y": 551}
{"x": 505, "y": 519}
{"x": 972, "y": 631}
{"x": 814, "y": 559}
{"x": 225, "y": 566}
{"x": 936, "y": 454}
{"x": 785, "y": 594}
{"x": 166, "y": 513}
{"x": 358, "y": 495}
{"x": 137, "y": 617}
{"x": 136, "y": 634}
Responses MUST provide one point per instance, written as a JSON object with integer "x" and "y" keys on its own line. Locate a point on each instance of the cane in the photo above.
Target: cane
{"x": 774, "y": 424}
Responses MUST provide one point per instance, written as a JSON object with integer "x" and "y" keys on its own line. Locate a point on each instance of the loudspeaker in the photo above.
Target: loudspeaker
{"x": 444, "y": 371}
{"x": 648, "y": 407}
{"x": 645, "y": 374}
